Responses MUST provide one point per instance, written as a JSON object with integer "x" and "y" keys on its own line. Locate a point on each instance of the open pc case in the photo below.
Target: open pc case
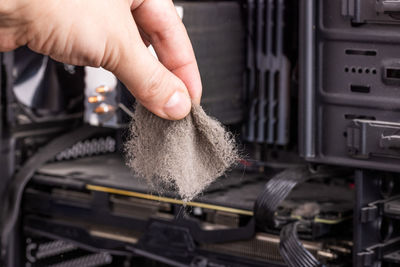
{"x": 310, "y": 88}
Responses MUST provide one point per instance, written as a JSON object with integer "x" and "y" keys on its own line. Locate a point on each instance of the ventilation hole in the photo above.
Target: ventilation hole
{"x": 358, "y": 52}
{"x": 353, "y": 70}
{"x": 373, "y": 71}
{"x": 360, "y": 117}
{"x": 366, "y": 70}
{"x": 393, "y": 73}
{"x": 360, "y": 70}
{"x": 360, "y": 89}
{"x": 346, "y": 69}
{"x": 344, "y": 134}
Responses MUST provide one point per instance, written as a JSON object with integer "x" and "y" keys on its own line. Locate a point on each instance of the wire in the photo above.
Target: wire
{"x": 15, "y": 190}
{"x": 125, "y": 109}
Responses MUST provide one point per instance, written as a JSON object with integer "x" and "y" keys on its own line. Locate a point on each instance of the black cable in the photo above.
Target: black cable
{"x": 275, "y": 191}
{"x": 280, "y": 186}
{"x": 16, "y": 188}
{"x": 292, "y": 250}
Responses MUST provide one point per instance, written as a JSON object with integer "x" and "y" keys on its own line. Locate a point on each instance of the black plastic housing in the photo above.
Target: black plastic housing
{"x": 268, "y": 74}
{"x": 217, "y": 33}
{"x": 349, "y": 85}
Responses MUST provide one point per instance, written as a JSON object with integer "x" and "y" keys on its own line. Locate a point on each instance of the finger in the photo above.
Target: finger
{"x": 166, "y": 32}
{"x": 144, "y": 36}
{"x": 150, "y": 82}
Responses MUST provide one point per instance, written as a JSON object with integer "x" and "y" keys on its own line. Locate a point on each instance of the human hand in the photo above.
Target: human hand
{"x": 113, "y": 34}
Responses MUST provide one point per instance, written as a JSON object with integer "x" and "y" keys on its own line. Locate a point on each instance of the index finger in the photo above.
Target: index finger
{"x": 164, "y": 29}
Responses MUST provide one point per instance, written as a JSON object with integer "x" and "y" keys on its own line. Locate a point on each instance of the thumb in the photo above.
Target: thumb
{"x": 153, "y": 85}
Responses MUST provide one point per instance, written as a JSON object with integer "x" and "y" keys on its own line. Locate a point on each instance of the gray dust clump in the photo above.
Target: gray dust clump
{"x": 186, "y": 155}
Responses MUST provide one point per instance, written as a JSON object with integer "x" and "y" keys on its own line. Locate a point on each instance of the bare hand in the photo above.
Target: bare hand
{"x": 113, "y": 34}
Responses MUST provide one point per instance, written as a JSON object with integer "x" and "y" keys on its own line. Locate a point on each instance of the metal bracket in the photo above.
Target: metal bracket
{"x": 370, "y": 255}
{"x": 369, "y": 214}
{"x": 368, "y": 137}
{"x": 374, "y": 209}
{"x": 388, "y": 6}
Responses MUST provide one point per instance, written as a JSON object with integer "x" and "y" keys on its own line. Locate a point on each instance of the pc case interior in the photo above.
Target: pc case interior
{"x": 310, "y": 88}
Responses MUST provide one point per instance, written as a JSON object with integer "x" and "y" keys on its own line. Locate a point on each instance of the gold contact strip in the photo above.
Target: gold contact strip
{"x": 324, "y": 221}
{"x": 166, "y": 199}
{"x": 193, "y": 204}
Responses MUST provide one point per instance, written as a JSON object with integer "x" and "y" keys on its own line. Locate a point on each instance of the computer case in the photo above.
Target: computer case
{"x": 309, "y": 88}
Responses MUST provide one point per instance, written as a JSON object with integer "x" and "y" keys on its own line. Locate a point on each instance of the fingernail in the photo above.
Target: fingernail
{"x": 178, "y": 106}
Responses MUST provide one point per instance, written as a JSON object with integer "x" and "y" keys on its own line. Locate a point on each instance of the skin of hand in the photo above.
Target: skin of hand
{"x": 113, "y": 34}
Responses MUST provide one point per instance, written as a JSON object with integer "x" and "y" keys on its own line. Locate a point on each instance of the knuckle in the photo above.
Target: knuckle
{"x": 165, "y": 32}
{"x": 153, "y": 86}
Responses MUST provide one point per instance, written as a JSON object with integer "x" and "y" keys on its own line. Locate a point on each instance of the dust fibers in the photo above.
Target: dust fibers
{"x": 185, "y": 155}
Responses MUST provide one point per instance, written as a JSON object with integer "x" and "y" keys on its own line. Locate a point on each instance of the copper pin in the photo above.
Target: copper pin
{"x": 96, "y": 99}
{"x": 103, "y": 89}
{"x": 104, "y": 108}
